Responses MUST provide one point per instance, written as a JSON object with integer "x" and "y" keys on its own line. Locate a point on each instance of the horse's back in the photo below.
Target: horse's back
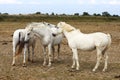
{"x": 101, "y": 38}
{"x": 16, "y": 33}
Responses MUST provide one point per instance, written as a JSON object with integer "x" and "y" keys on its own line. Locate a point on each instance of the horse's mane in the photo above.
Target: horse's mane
{"x": 39, "y": 24}
{"x": 34, "y": 24}
{"x": 48, "y": 24}
{"x": 66, "y": 26}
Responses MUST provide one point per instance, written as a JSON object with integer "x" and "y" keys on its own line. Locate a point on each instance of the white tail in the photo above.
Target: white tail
{"x": 110, "y": 41}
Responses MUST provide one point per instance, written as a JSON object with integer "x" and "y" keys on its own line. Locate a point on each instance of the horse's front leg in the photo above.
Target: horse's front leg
{"x": 28, "y": 53}
{"x": 44, "y": 52}
{"x": 24, "y": 55}
{"x": 73, "y": 65}
{"x": 58, "y": 52}
{"x": 75, "y": 59}
{"x": 49, "y": 54}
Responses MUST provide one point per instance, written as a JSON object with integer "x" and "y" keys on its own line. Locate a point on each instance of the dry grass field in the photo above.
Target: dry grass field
{"x": 60, "y": 70}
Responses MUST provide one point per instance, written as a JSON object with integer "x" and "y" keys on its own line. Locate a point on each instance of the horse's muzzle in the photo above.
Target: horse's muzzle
{"x": 26, "y": 41}
{"x": 53, "y": 34}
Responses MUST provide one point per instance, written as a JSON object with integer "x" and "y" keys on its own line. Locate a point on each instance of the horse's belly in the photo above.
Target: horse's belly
{"x": 87, "y": 46}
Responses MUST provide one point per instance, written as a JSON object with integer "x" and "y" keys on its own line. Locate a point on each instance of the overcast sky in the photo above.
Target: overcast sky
{"x": 59, "y": 6}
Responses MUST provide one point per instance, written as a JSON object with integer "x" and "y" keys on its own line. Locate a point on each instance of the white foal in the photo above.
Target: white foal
{"x": 78, "y": 40}
{"x": 18, "y": 41}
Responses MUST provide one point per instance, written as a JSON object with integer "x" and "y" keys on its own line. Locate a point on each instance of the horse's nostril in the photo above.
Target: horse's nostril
{"x": 53, "y": 34}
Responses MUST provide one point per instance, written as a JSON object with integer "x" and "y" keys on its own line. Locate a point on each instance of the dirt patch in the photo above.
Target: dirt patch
{"x": 60, "y": 70}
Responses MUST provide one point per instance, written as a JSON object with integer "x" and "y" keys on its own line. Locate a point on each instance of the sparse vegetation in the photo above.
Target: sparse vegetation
{"x": 60, "y": 70}
{"x": 38, "y": 16}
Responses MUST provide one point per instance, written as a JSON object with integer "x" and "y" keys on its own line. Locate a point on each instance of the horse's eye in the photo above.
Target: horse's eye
{"x": 28, "y": 34}
{"x": 57, "y": 27}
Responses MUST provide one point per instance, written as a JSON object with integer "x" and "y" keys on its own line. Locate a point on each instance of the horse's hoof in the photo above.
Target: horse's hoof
{"x": 77, "y": 69}
{"x": 44, "y": 64}
{"x": 49, "y": 65}
{"x": 73, "y": 67}
{"x": 94, "y": 70}
{"x": 13, "y": 64}
{"x": 104, "y": 70}
{"x": 24, "y": 65}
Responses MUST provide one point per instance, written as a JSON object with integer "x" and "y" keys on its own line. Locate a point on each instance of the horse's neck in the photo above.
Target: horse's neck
{"x": 42, "y": 33}
{"x": 67, "y": 34}
{"x": 39, "y": 32}
{"x": 72, "y": 33}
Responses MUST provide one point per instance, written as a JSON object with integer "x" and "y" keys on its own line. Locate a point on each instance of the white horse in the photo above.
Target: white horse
{"x": 56, "y": 41}
{"x": 46, "y": 35}
{"x": 78, "y": 40}
{"x": 18, "y": 40}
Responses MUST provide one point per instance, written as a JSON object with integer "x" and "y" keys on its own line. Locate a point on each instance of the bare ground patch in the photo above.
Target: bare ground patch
{"x": 60, "y": 70}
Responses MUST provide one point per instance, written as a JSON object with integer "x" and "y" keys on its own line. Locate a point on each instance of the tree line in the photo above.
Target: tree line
{"x": 104, "y": 14}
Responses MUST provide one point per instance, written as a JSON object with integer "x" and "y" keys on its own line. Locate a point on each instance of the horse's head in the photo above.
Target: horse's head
{"x": 56, "y": 30}
{"x": 28, "y": 34}
{"x": 53, "y": 28}
{"x": 65, "y": 27}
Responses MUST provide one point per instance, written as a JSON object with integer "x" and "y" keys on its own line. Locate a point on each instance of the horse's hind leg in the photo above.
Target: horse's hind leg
{"x": 99, "y": 57}
{"x": 33, "y": 47}
{"x": 49, "y": 54}
{"x": 13, "y": 62}
{"x": 53, "y": 51}
{"x": 58, "y": 52}
{"x": 28, "y": 53}
{"x": 14, "y": 53}
{"x": 105, "y": 55}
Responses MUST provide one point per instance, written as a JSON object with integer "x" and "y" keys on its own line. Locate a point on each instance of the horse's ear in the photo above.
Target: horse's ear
{"x": 62, "y": 23}
{"x": 43, "y": 22}
{"x": 31, "y": 28}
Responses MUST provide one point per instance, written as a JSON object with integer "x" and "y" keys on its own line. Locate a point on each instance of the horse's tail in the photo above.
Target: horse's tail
{"x": 109, "y": 43}
{"x": 19, "y": 36}
{"x": 21, "y": 45}
{"x": 109, "y": 40}
{"x": 20, "y": 48}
